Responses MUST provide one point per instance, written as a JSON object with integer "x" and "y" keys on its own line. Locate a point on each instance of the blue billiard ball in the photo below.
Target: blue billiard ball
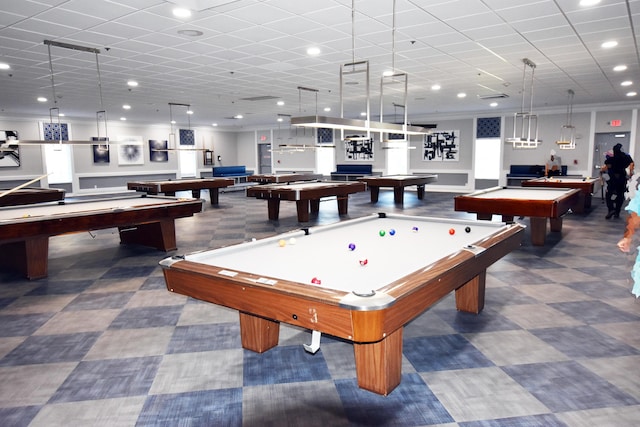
{"x": 392, "y": 232}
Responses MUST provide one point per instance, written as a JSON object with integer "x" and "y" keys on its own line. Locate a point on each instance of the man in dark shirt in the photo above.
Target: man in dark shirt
{"x": 616, "y": 167}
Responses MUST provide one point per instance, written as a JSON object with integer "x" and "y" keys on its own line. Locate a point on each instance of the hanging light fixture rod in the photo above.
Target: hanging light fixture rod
{"x": 72, "y": 46}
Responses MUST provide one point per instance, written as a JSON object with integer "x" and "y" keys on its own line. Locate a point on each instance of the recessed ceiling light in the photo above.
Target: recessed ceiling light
{"x": 180, "y": 12}
{"x": 632, "y": 93}
{"x": 626, "y": 83}
{"x": 42, "y": 99}
{"x": 61, "y": 114}
{"x": 313, "y": 51}
{"x": 173, "y": 122}
{"x": 238, "y": 116}
{"x": 363, "y": 114}
{"x": 327, "y": 109}
{"x": 609, "y": 44}
{"x": 124, "y": 119}
{"x": 435, "y": 87}
{"x": 620, "y": 68}
{"x": 190, "y": 33}
{"x": 132, "y": 83}
{"x": 189, "y": 112}
{"x": 4, "y": 66}
{"x": 493, "y": 104}
{"x": 280, "y": 103}
{"x": 589, "y": 2}
{"x": 280, "y": 119}
{"x": 126, "y": 107}
{"x": 214, "y": 124}
{"x": 462, "y": 95}
{"x": 387, "y": 73}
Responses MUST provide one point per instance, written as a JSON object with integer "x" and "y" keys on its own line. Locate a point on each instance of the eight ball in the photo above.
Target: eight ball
{"x": 467, "y": 229}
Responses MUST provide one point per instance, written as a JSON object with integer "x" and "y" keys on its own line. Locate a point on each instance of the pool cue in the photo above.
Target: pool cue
{"x": 11, "y": 190}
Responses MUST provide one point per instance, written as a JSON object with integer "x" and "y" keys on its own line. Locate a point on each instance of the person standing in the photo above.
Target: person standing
{"x": 553, "y": 167}
{"x": 616, "y": 168}
{"x": 633, "y": 222}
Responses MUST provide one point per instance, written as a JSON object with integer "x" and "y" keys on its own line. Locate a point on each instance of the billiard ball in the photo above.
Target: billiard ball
{"x": 292, "y": 241}
{"x": 282, "y": 243}
{"x": 364, "y": 262}
{"x": 316, "y": 281}
{"x": 381, "y": 233}
{"x": 414, "y": 229}
{"x": 467, "y": 229}
{"x": 452, "y": 231}
{"x": 392, "y": 232}
{"x": 352, "y": 246}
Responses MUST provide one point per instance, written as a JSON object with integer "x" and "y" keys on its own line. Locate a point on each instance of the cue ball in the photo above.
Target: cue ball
{"x": 352, "y": 246}
{"x": 452, "y": 231}
{"x": 292, "y": 241}
{"x": 392, "y": 232}
{"x": 282, "y": 243}
{"x": 467, "y": 229}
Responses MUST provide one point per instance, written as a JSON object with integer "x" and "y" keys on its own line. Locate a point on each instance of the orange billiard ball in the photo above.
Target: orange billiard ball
{"x": 452, "y": 231}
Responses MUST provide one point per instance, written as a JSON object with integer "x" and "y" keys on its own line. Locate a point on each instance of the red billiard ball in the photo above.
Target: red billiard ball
{"x": 364, "y": 262}
{"x": 452, "y": 231}
{"x": 316, "y": 281}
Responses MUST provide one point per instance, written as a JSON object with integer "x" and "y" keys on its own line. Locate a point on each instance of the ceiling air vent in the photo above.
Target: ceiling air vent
{"x": 494, "y": 96}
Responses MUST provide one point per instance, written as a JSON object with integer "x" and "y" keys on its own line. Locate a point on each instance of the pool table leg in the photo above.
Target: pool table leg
{"x": 379, "y": 364}
{"x": 375, "y": 194}
{"x": 470, "y": 296}
{"x": 398, "y": 195}
{"x": 257, "y": 333}
{"x": 343, "y": 204}
{"x": 539, "y": 230}
{"x": 302, "y": 207}
{"x": 273, "y": 206}
{"x": 30, "y": 256}
{"x": 160, "y": 235}
{"x": 420, "y": 192}
{"x": 213, "y": 195}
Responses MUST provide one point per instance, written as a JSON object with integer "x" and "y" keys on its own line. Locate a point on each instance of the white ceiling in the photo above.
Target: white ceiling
{"x": 257, "y": 49}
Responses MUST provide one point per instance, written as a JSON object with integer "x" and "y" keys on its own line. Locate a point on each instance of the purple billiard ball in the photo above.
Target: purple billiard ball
{"x": 352, "y": 246}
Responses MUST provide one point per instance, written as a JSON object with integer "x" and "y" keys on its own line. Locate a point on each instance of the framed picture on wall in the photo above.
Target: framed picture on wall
{"x": 158, "y": 150}
{"x": 442, "y": 146}
{"x": 9, "y": 153}
{"x": 130, "y": 150}
{"x": 100, "y": 151}
{"x": 358, "y": 149}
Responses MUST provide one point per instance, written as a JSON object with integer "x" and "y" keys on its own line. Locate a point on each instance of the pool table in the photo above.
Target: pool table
{"x": 349, "y": 280}
{"x": 276, "y": 178}
{"x": 536, "y": 203}
{"x": 28, "y": 196}
{"x": 307, "y": 196}
{"x": 585, "y": 185}
{"x": 398, "y": 183}
{"x": 141, "y": 219}
{"x": 169, "y": 187}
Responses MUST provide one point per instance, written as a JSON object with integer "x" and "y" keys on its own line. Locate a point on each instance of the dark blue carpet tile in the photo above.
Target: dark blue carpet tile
{"x": 520, "y": 277}
{"x": 545, "y": 420}
{"x": 486, "y": 321}
{"x": 193, "y": 338}
{"x": 51, "y": 349}
{"x": 498, "y": 297}
{"x": 441, "y": 353}
{"x": 605, "y": 273}
{"x": 568, "y": 386}
{"x": 21, "y": 325}
{"x": 594, "y": 312}
{"x": 120, "y": 272}
{"x": 99, "y": 300}
{"x": 147, "y": 317}
{"x": 6, "y": 301}
{"x": 283, "y": 365}
{"x": 153, "y": 283}
{"x": 61, "y": 287}
{"x": 601, "y": 289}
{"x": 18, "y": 417}
{"x": 106, "y": 379}
{"x": 195, "y": 409}
{"x": 583, "y": 342}
{"x": 410, "y": 404}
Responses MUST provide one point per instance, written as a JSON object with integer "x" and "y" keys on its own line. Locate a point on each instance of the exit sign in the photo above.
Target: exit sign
{"x": 615, "y": 123}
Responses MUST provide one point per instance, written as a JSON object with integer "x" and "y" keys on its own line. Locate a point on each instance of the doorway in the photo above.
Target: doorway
{"x": 264, "y": 154}
{"x": 604, "y": 142}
